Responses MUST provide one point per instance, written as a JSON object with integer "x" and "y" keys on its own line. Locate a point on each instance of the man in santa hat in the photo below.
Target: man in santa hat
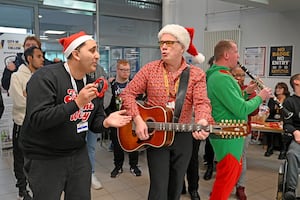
{"x": 160, "y": 80}
{"x": 62, "y": 105}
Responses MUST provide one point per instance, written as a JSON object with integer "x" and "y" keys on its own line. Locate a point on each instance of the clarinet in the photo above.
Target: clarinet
{"x": 286, "y": 113}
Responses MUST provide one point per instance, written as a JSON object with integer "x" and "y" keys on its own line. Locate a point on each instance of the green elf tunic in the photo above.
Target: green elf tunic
{"x": 228, "y": 103}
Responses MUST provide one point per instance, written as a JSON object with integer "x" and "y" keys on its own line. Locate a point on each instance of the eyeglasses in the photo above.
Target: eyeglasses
{"x": 238, "y": 75}
{"x": 124, "y": 70}
{"x": 168, "y": 43}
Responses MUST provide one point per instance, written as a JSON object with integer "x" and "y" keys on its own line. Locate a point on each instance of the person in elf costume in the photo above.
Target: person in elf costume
{"x": 228, "y": 103}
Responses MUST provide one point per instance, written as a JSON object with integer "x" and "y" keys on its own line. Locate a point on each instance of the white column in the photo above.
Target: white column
{"x": 169, "y": 14}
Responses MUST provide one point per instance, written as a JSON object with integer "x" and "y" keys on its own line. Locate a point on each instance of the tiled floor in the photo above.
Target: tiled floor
{"x": 261, "y": 178}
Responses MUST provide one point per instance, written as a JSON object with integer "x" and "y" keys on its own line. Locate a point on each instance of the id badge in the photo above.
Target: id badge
{"x": 82, "y": 126}
{"x": 171, "y": 105}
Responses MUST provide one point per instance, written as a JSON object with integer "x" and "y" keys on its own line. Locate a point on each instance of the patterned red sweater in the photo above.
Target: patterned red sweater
{"x": 151, "y": 80}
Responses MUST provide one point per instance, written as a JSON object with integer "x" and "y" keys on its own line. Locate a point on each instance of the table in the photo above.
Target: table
{"x": 266, "y": 127}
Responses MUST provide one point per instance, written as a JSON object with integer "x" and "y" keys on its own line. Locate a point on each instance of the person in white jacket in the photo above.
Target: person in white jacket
{"x": 34, "y": 58}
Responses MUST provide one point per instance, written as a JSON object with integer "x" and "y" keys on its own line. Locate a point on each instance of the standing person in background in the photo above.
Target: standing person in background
{"x": 91, "y": 137}
{"x": 62, "y": 105}
{"x": 281, "y": 93}
{"x": 292, "y": 125}
{"x": 248, "y": 93}
{"x": 1, "y": 104}
{"x": 13, "y": 66}
{"x": 34, "y": 57}
{"x": 160, "y": 81}
{"x": 209, "y": 154}
{"x": 20, "y": 59}
{"x": 192, "y": 173}
{"x": 117, "y": 86}
{"x": 228, "y": 103}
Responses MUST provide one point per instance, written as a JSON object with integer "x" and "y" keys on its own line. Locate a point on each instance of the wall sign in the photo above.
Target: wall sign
{"x": 281, "y": 61}
{"x": 254, "y": 60}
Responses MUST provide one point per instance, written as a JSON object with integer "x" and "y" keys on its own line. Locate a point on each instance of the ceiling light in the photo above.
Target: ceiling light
{"x": 72, "y": 4}
{"x": 54, "y": 32}
{"x": 44, "y": 37}
{"x": 13, "y": 30}
{"x": 261, "y": 1}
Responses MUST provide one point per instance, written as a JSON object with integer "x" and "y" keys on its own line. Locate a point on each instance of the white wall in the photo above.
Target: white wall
{"x": 258, "y": 27}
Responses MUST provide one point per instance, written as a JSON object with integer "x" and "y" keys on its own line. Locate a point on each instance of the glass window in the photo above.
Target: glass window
{"x": 55, "y": 24}
{"x": 22, "y": 17}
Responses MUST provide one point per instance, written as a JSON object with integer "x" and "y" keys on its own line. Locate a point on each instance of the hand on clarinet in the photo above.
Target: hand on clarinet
{"x": 265, "y": 93}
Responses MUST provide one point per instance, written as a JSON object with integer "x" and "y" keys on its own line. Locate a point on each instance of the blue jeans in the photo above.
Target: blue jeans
{"x": 91, "y": 140}
{"x": 293, "y": 159}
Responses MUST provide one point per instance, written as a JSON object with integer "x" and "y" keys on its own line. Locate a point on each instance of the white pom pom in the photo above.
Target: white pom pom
{"x": 200, "y": 58}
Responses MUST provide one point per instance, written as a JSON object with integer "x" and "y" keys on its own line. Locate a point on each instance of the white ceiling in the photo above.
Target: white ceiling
{"x": 274, "y": 5}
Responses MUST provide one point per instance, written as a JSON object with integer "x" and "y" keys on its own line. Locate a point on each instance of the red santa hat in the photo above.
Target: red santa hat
{"x": 73, "y": 41}
{"x": 185, "y": 37}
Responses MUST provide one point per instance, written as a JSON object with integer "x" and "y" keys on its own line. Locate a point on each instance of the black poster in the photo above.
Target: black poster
{"x": 281, "y": 61}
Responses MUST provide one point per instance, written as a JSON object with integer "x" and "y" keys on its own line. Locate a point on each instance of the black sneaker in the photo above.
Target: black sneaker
{"x": 24, "y": 195}
{"x": 135, "y": 171}
{"x": 116, "y": 171}
{"x": 290, "y": 195}
{"x": 194, "y": 195}
{"x": 282, "y": 155}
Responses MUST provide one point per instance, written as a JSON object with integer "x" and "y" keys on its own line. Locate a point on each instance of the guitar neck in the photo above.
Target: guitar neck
{"x": 168, "y": 126}
{"x": 225, "y": 130}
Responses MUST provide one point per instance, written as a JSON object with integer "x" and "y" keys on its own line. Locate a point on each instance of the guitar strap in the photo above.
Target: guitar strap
{"x": 183, "y": 83}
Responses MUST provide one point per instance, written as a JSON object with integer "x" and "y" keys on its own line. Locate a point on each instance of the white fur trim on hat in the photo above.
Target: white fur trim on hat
{"x": 177, "y": 31}
{"x": 198, "y": 59}
{"x": 78, "y": 41}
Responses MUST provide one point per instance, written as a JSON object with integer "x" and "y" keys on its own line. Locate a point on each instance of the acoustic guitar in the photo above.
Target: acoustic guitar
{"x": 162, "y": 130}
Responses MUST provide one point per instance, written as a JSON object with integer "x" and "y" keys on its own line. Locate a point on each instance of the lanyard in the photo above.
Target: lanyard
{"x": 73, "y": 82}
{"x": 171, "y": 94}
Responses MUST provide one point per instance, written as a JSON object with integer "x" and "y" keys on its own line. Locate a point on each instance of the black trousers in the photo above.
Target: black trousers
{"x": 167, "y": 167}
{"x": 18, "y": 160}
{"x": 209, "y": 153}
{"x": 192, "y": 172}
{"x": 119, "y": 152}
{"x": 71, "y": 174}
{"x": 271, "y": 138}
